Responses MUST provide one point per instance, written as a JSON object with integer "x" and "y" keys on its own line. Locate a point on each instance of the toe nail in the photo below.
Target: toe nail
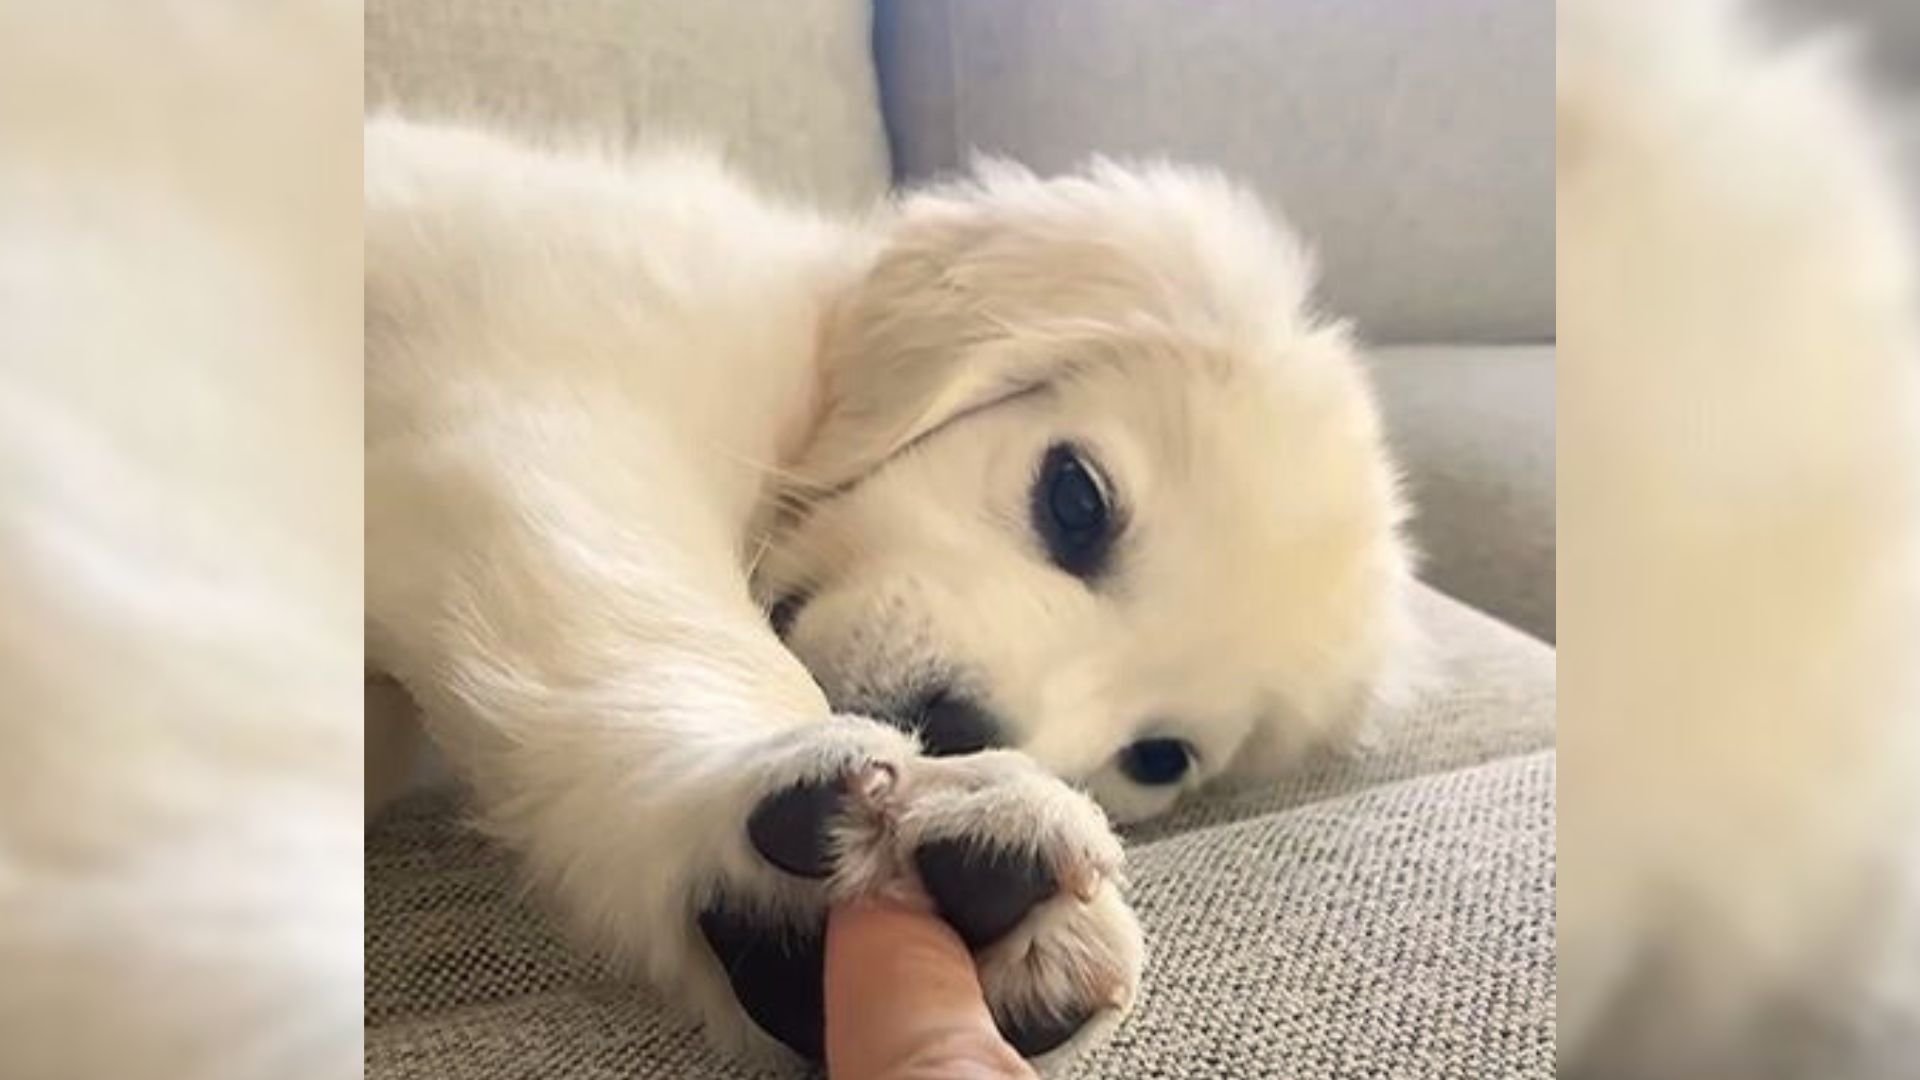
{"x": 872, "y": 783}
{"x": 1083, "y": 882}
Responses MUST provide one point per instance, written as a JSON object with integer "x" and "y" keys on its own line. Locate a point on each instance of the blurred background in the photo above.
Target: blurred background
{"x": 1889, "y": 31}
{"x": 179, "y": 539}
{"x": 1739, "y": 492}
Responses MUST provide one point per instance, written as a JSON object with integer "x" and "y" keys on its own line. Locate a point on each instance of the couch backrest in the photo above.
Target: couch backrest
{"x": 1410, "y": 140}
{"x": 784, "y": 88}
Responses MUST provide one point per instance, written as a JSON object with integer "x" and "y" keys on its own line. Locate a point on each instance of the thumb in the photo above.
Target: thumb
{"x": 903, "y": 1002}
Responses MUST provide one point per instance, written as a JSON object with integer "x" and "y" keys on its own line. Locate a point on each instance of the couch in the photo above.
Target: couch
{"x": 1388, "y": 911}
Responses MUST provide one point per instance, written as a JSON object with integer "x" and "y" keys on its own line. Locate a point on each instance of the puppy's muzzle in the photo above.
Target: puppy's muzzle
{"x": 949, "y": 725}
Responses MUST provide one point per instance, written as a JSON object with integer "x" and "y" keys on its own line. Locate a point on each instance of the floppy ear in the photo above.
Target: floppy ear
{"x": 914, "y": 344}
{"x": 997, "y": 284}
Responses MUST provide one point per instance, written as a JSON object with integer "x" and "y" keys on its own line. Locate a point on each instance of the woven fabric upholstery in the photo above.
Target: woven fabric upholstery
{"x": 1473, "y": 427}
{"x": 785, "y": 90}
{"x": 1387, "y": 913}
{"x": 1410, "y": 140}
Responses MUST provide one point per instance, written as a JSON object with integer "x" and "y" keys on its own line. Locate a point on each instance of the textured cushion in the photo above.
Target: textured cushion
{"x": 1412, "y": 141}
{"x": 784, "y": 89}
{"x": 1474, "y": 428}
{"x": 1387, "y": 913}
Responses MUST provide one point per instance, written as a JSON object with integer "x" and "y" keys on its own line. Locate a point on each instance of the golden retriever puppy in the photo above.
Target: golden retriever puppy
{"x": 741, "y": 559}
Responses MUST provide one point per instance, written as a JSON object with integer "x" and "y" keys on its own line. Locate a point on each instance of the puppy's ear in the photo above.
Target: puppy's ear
{"x": 915, "y": 343}
{"x": 1003, "y": 281}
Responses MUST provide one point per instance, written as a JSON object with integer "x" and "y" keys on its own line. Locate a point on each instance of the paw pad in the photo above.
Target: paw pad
{"x": 983, "y": 889}
{"x": 982, "y": 893}
{"x": 777, "y": 976}
{"x": 789, "y": 828}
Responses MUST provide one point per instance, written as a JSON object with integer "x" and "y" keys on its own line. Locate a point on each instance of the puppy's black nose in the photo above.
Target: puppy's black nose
{"x": 949, "y": 725}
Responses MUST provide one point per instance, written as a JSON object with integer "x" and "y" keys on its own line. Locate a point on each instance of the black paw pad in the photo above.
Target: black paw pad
{"x": 776, "y": 975}
{"x": 1037, "y": 1037}
{"x": 789, "y": 827}
{"x": 982, "y": 893}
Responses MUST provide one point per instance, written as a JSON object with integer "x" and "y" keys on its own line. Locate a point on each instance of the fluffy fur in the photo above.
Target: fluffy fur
{"x": 1740, "y": 585}
{"x": 179, "y": 542}
{"x": 618, "y": 407}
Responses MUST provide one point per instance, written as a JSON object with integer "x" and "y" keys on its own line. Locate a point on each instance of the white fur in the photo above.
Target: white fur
{"x": 615, "y": 407}
{"x": 179, "y": 542}
{"x": 1740, "y": 585}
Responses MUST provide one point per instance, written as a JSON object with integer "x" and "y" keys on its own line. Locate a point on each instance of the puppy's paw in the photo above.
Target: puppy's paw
{"x": 1024, "y": 868}
{"x": 766, "y": 921}
{"x": 1064, "y": 976}
{"x": 791, "y": 828}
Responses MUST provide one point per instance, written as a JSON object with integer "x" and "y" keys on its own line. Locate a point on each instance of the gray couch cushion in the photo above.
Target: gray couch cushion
{"x": 785, "y": 90}
{"x": 1411, "y": 141}
{"x": 1406, "y": 930}
{"x": 1387, "y": 913}
{"x": 1474, "y": 430}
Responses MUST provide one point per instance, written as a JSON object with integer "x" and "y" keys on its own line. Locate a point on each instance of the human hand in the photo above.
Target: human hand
{"x": 903, "y": 1001}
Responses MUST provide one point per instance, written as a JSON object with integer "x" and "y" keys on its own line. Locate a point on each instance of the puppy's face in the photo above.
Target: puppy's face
{"x": 1096, "y": 489}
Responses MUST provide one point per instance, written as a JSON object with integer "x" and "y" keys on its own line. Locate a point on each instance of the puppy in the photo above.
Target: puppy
{"x": 743, "y": 559}
{"x": 1740, "y": 486}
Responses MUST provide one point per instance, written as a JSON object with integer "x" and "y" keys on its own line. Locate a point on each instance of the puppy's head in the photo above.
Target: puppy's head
{"x": 1090, "y": 481}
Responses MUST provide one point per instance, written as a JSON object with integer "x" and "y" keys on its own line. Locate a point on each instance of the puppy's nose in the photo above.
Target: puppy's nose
{"x": 950, "y": 724}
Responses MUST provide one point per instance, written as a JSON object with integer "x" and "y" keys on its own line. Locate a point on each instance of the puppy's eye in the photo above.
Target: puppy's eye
{"x": 784, "y": 611}
{"x": 1156, "y": 761}
{"x": 1071, "y": 512}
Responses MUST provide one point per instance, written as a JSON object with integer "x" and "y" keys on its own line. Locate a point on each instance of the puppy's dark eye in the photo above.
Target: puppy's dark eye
{"x": 784, "y": 611}
{"x": 1071, "y": 513}
{"x": 1156, "y": 761}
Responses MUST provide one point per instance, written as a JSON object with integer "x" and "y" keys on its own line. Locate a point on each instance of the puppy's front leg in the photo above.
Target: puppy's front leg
{"x": 675, "y": 779}
{"x": 606, "y": 684}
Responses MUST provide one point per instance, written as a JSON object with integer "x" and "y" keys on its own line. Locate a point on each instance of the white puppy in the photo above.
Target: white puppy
{"x": 1064, "y": 467}
{"x": 1740, "y": 597}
